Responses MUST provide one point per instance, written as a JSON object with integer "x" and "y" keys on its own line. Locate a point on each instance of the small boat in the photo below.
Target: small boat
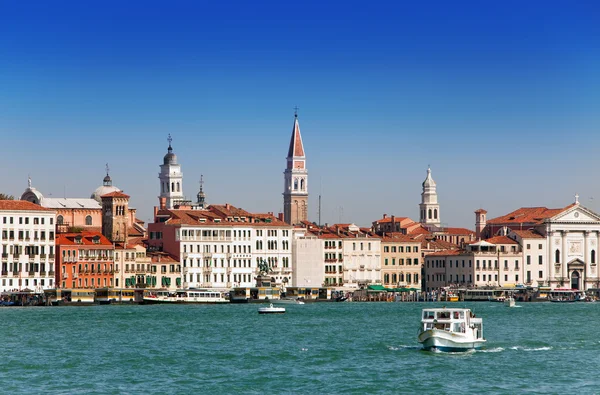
{"x": 288, "y": 301}
{"x": 271, "y": 310}
{"x": 450, "y": 330}
{"x": 509, "y": 302}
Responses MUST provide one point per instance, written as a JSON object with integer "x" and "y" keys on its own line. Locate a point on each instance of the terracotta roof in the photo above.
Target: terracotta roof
{"x": 20, "y": 205}
{"x": 296, "y": 146}
{"x": 420, "y": 230}
{"x": 398, "y": 238}
{"x": 457, "y": 231}
{"x": 501, "y": 240}
{"x": 482, "y": 211}
{"x": 397, "y": 220}
{"x": 161, "y": 257}
{"x": 86, "y": 239}
{"x": 533, "y": 215}
{"x": 446, "y": 253}
{"x": 117, "y": 194}
{"x": 528, "y": 234}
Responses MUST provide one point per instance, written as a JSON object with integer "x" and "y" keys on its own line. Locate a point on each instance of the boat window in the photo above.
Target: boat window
{"x": 444, "y": 315}
{"x": 428, "y": 315}
{"x": 459, "y": 327}
{"x": 459, "y": 315}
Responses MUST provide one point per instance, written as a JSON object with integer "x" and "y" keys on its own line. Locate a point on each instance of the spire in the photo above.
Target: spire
{"x": 201, "y": 194}
{"x": 296, "y": 146}
{"x": 29, "y": 181}
{"x": 170, "y": 139}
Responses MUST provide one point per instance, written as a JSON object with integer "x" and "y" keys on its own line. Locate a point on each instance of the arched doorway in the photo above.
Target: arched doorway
{"x": 575, "y": 279}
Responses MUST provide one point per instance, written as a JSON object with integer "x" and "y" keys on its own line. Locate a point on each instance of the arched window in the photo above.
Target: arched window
{"x": 178, "y": 188}
{"x": 295, "y": 184}
{"x": 557, "y": 256}
{"x": 59, "y": 220}
{"x": 435, "y": 213}
{"x": 401, "y": 277}
{"x": 172, "y": 187}
{"x": 429, "y": 213}
{"x": 164, "y": 189}
{"x": 593, "y": 256}
{"x": 88, "y": 220}
{"x": 302, "y": 184}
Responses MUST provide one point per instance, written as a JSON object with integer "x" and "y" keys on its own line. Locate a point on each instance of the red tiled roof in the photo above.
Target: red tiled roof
{"x": 86, "y": 239}
{"x": 501, "y": 240}
{"x": 445, "y": 253}
{"x": 116, "y": 194}
{"x": 533, "y": 215}
{"x": 528, "y": 234}
{"x": 398, "y": 238}
{"x": 457, "y": 231}
{"x": 21, "y": 205}
{"x": 419, "y": 231}
{"x": 482, "y": 211}
{"x": 397, "y": 220}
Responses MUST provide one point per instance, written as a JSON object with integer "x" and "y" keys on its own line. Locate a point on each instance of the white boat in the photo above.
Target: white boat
{"x": 271, "y": 310}
{"x": 288, "y": 301}
{"x": 185, "y": 296}
{"x": 509, "y": 302}
{"x": 450, "y": 330}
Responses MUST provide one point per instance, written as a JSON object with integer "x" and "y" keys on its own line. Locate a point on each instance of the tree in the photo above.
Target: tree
{"x": 6, "y": 197}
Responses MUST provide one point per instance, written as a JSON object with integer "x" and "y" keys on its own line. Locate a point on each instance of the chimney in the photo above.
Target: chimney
{"x": 384, "y": 216}
{"x": 393, "y": 223}
{"x": 162, "y": 202}
{"x": 227, "y": 206}
{"x": 280, "y": 216}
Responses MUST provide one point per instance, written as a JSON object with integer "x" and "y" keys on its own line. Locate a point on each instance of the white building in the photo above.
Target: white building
{"x": 28, "y": 246}
{"x": 171, "y": 178}
{"x": 341, "y": 255}
{"x": 223, "y": 246}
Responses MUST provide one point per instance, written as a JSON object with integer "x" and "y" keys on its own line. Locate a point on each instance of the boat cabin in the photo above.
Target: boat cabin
{"x": 452, "y": 320}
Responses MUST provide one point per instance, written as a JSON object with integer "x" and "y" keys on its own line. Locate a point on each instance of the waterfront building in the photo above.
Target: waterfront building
{"x": 28, "y": 246}
{"x": 389, "y": 224}
{"x": 223, "y": 246}
{"x": 569, "y": 250}
{"x": 295, "y": 192}
{"x": 85, "y": 260}
{"x": 74, "y": 214}
{"x": 166, "y": 271}
{"x": 309, "y": 259}
{"x": 133, "y": 266}
{"x": 400, "y": 261}
{"x": 495, "y": 262}
{"x": 350, "y": 256}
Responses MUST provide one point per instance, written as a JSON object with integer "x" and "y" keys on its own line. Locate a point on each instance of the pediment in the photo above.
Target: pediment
{"x": 577, "y": 213}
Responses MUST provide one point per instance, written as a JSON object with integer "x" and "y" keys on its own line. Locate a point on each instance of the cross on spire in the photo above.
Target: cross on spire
{"x": 576, "y": 198}
{"x": 201, "y": 181}
{"x": 296, "y": 111}
{"x": 107, "y": 169}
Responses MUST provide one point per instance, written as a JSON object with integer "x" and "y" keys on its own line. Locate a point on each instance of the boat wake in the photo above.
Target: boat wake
{"x": 520, "y": 348}
{"x": 497, "y": 349}
{"x": 403, "y": 347}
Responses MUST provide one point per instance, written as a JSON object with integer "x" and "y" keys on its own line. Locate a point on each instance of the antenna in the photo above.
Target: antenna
{"x": 319, "y": 210}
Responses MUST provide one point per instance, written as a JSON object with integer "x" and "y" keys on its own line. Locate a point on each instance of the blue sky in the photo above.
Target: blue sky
{"x": 501, "y": 99}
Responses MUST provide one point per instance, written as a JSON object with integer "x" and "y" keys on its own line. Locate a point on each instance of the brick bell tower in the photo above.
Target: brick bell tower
{"x": 295, "y": 193}
{"x": 115, "y": 216}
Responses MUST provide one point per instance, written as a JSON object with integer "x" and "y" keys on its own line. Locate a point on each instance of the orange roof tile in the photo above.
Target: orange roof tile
{"x": 528, "y": 234}
{"x": 117, "y": 194}
{"x": 446, "y": 253}
{"x": 457, "y": 231}
{"x": 532, "y": 215}
{"x": 86, "y": 239}
{"x": 501, "y": 240}
{"x": 20, "y": 205}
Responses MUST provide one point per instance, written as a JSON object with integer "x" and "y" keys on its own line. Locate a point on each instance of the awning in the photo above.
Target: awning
{"x": 377, "y": 288}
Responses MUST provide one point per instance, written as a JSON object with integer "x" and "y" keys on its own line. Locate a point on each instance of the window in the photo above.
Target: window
{"x": 59, "y": 220}
{"x": 540, "y": 260}
{"x": 88, "y": 220}
{"x": 557, "y": 256}
{"x": 528, "y": 246}
{"x": 528, "y": 259}
{"x": 541, "y": 274}
{"x": 386, "y": 261}
{"x": 593, "y": 256}
{"x": 539, "y": 246}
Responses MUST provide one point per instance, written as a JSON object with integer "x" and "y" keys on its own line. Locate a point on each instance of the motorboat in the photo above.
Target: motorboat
{"x": 450, "y": 330}
{"x": 271, "y": 310}
{"x": 509, "y": 302}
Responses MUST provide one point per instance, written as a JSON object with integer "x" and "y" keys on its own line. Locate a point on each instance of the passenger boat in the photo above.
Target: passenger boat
{"x": 271, "y": 310}
{"x": 185, "y": 296}
{"x": 450, "y": 330}
{"x": 509, "y": 302}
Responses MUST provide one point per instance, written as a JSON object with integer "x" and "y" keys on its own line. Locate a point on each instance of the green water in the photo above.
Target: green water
{"x": 541, "y": 348}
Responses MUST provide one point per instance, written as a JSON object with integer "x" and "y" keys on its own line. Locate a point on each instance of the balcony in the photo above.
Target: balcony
{"x": 15, "y": 273}
{"x": 31, "y": 274}
{"x": 43, "y": 274}
{"x": 4, "y": 272}
{"x": 42, "y": 256}
{"x": 51, "y": 256}
{"x": 65, "y": 275}
{"x": 51, "y": 273}
{"x": 207, "y": 270}
{"x": 4, "y": 256}
{"x": 207, "y": 255}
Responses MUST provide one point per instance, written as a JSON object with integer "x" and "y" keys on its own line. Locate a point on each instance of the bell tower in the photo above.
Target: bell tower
{"x": 171, "y": 178}
{"x": 115, "y": 216}
{"x": 429, "y": 207}
{"x": 295, "y": 192}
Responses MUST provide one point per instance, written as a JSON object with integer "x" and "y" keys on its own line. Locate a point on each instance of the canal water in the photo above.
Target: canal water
{"x": 543, "y": 348}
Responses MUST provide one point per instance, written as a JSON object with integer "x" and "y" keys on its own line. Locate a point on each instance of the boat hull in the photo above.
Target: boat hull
{"x": 439, "y": 340}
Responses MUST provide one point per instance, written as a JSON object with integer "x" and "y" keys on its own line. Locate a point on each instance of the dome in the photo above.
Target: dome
{"x": 103, "y": 190}
{"x": 428, "y": 181}
{"x": 107, "y": 180}
{"x": 170, "y": 158}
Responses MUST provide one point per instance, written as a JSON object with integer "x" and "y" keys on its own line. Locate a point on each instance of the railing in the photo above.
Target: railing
{"x": 4, "y": 255}
{"x": 43, "y": 256}
{"x": 5, "y": 272}
{"x": 51, "y": 273}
